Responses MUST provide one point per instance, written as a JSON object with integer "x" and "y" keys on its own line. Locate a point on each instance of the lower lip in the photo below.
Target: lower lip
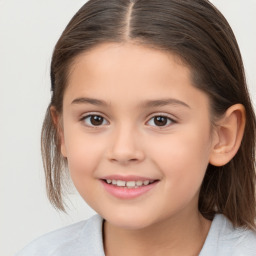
{"x": 127, "y": 193}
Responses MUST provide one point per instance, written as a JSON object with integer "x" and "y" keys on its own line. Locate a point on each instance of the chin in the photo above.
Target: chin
{"x": 128, "y": 220}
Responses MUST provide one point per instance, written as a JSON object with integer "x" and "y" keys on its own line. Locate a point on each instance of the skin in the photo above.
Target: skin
{"x": 130, "y": 142}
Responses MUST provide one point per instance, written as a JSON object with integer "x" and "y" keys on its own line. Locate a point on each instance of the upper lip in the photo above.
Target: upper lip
{"x": 127, "y": 178}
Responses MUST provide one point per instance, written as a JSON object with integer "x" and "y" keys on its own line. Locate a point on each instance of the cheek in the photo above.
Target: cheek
{"x": 183, "y": 159}
{"x": 83, "y": 153}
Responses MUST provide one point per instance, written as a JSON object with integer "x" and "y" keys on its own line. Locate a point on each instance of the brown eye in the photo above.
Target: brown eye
{"x": 160, "y": 121}
{"x": 94, "y": 120}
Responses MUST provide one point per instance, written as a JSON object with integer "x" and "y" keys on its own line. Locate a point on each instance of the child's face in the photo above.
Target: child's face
{"x": 149, "y": 123}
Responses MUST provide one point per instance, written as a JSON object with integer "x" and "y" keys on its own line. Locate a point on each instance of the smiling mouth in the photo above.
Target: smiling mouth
{"x": 129, "y": 184}
{"x": 128, "y": 187}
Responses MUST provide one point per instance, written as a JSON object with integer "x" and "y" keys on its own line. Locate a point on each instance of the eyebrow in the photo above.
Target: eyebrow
{"x": 146, "y": 104}
{"x": 90, "y": 101}
{"x": 163, "y": 102}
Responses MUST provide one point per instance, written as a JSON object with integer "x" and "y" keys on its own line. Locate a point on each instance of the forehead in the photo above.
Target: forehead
{"x": 127, "y": 53}
{"x": 129, "y": 72}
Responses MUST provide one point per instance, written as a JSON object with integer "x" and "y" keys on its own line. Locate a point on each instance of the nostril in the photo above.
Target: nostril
{"x": 125, "y": 157}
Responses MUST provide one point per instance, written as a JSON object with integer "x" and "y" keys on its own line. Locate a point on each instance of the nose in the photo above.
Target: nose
{"x": 126, "y": 147}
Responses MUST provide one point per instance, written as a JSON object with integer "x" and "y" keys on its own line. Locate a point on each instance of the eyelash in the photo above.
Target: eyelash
{"x": 90, "y": 116}
{"x": 167, "y": 118}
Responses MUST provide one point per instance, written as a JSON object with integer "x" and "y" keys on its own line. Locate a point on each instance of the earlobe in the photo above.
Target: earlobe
{"x": 57, "y": 123}
{"x": 229, "y": 133}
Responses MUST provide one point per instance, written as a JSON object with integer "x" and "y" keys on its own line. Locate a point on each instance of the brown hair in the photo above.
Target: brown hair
{"x": 199, "y": 34}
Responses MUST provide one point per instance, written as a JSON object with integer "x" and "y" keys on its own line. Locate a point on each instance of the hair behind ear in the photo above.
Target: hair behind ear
{"x": 53, "y": 161}
{"x": 229, "y": 183}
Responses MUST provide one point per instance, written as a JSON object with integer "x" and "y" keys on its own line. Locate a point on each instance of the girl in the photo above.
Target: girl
{"x": 151, "y": 116}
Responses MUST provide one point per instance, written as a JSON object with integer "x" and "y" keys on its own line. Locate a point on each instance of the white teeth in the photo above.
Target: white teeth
{"x": 129, "y": 184}
{"x": 120, "y": 183}
{"x": 146, "y": 182}
{"x": 139, "y": 183}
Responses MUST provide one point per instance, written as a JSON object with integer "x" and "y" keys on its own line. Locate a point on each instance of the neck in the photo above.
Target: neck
{"x": 179, "y": 235}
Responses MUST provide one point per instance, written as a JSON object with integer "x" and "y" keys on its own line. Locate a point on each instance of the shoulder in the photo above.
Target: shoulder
{"x": 77, "y": 239}
{"x": 225, "y": 239}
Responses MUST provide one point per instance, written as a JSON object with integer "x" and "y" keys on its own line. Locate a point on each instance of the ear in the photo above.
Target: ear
{"x": 229, "y": 133}
{"x": 56, "y": 118}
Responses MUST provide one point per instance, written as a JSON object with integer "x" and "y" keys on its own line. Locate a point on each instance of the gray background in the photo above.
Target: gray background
{"x": 29, "y": 30}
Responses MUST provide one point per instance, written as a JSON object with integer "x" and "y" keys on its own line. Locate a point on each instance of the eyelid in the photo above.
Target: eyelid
{"x": 171, "y": 116}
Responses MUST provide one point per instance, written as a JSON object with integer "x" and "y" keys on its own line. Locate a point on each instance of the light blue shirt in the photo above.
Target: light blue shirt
{"x": 85, "y": 239}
